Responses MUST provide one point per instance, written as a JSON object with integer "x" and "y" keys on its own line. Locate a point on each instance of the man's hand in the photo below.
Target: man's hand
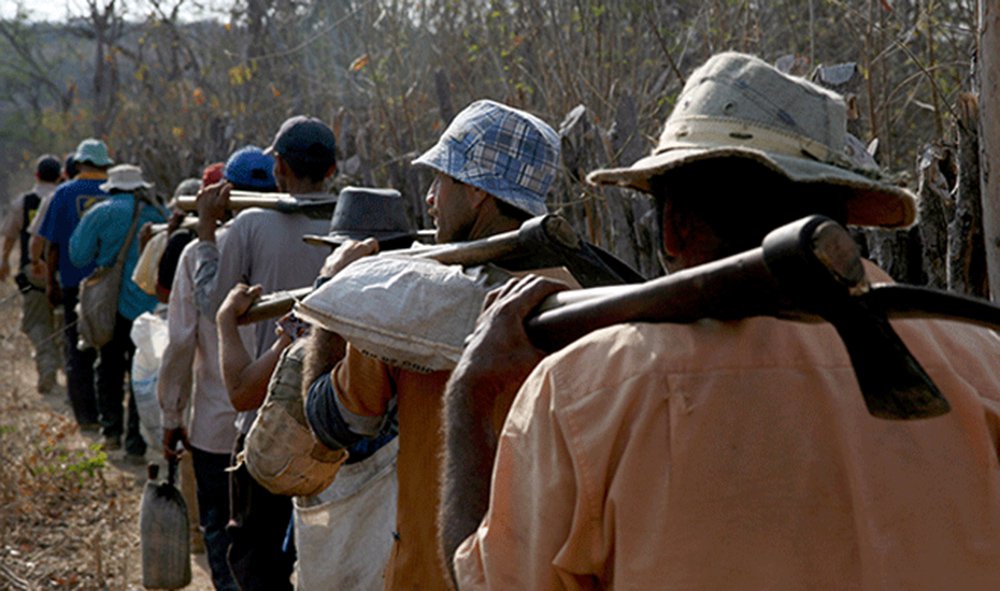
{"x": 171, "y": 437}
{"x": 212, "y": 203}
{"x": 36, "y": 270}
{"x": 347, "y": 253}
{"x": 238, "y": 300}
{"x": 54, "y": 293}
{"x": 499, "y": 355}
{"x": 145, "y": 233}
{"x": 175, "y": 221}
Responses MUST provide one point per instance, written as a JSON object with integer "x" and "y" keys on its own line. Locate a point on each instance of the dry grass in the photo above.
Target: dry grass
{"x": 68, "y": 515}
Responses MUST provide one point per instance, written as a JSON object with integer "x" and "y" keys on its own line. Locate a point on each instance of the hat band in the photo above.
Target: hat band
{"x": 702, "y": 132}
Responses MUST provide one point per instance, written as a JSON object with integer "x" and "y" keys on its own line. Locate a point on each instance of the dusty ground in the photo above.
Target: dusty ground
{"x": 69, "y": 512}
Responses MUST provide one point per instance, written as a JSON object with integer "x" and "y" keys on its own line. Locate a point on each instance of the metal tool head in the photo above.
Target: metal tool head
{"x": 819, "y": 267}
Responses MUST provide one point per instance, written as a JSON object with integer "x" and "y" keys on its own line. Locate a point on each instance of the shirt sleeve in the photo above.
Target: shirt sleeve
{"x": 173, "y": 388}
{"x": 47, "y": 227}
{"x": 221, "y": 265}
{"x": 352, "y": 402}
{"x": 526, "y": 539}
{"x": 206, "y": 275}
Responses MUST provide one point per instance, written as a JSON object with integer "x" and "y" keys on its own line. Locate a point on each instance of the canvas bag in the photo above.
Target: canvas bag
{"x": 409, "y": 312}
{"x": 280, "y": 451}
{"x": 148, "y": 264}
{"x": 97, "y": 307}
{"x": 343, "y": 535}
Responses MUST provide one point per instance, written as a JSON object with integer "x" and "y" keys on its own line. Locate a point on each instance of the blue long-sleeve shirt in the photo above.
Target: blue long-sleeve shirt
{"x": 101, "y": 234}
{"x": 331, "y": 428}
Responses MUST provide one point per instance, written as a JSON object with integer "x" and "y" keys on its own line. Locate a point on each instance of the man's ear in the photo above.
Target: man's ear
{"x": 331, "y": 171}
{"x": 280, "y": 166}
{"x": 673, "y": 231}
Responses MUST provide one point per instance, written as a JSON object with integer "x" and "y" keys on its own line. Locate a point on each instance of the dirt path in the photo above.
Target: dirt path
{"x": 69, "y": 512}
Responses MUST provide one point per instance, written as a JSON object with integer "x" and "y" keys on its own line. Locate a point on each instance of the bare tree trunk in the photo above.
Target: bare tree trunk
{"x": 937, "y": 173}
{"x": 989, "y": 134}
{"x": 966, "y": 251}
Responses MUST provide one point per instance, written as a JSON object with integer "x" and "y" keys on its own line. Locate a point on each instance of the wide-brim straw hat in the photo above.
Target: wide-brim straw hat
{"x": 738, "y": 106}
{"x": 124, "y": 177}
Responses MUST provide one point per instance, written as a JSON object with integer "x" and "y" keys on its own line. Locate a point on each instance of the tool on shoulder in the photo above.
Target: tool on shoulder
{"x": 164, "y": 536}
{"x": 281, "y": 202}
{"x": 540, "y": 242}
{"x": 188, "y": 223}
{"x": 809, "y": 270}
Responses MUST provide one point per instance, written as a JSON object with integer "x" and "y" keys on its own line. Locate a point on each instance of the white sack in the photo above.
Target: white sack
{"x": 343, "y": 536}
{"x": 409, "y": 312}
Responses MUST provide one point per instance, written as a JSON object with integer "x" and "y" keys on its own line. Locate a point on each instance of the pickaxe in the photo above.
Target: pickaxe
{"x": 808, "y": 270}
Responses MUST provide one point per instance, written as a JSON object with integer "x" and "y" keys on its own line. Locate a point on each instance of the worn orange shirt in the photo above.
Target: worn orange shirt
{"x": 365, "y": 386}
{"x": 740, "y": 455}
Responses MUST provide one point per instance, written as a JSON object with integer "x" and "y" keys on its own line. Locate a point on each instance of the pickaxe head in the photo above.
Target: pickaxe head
{"x": 818, "y": 265}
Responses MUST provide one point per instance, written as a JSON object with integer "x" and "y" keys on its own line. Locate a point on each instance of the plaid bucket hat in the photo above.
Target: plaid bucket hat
{"x": 738, "y": 106}
{"x": 512, "y": 155}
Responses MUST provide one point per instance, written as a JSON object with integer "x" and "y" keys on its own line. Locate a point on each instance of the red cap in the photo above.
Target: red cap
{"x": 212, "y": 174}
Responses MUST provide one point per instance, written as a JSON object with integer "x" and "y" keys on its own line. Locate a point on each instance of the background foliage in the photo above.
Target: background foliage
{"x": 174, "y": 94}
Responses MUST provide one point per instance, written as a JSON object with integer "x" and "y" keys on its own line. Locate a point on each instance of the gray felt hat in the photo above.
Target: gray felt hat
{"x": 739, "y": 106}
{"x": 364, "y": 212}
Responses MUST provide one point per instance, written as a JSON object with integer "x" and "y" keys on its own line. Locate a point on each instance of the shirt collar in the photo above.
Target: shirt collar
{"x": 92, "y": 176}
{"x": 44, "y": 189}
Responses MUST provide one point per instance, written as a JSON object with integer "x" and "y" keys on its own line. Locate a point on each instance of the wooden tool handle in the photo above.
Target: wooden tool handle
{"x": 273, "y": 305}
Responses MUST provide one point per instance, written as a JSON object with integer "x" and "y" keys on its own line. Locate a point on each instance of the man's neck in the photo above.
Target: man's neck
{"x": 490, "y": 225}
{"x": 297, "y": 186}
{"x": 91, "y": 173}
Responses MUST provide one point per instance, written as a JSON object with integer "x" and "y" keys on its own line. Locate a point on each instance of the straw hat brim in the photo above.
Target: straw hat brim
{"x": 873, "y": 203}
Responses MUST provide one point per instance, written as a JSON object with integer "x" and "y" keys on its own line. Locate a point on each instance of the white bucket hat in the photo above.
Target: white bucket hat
{"x": 124, "y": 177}
{"x": 738, "y": 106}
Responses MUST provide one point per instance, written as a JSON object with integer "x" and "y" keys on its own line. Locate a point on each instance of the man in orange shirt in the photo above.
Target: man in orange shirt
{"x": 493, "y": 168}
{"x": 719, "y": 455}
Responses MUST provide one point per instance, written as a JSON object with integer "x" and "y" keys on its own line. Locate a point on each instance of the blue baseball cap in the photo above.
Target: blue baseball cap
{"x": 93, "y": 151}
{"x": 250, "y": 168}
{"x": 512, "y": 155}
{"x": 307, "y": 138}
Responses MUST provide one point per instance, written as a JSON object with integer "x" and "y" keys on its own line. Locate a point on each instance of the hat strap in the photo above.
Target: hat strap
{"x": 720, "y": 132}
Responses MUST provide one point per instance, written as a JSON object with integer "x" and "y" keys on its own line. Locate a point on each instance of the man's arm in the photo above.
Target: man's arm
{"x": 246, "y": 378}
{"x": 8, "y": 246}
{"x": 36, "y": 254}
{"x": 173, "y": 386}
{"x": 212, "y": 202}
{"x": 323, "y": 350}
{"x": 10, "y": 229}
{"x": 494, "y": 365}
{"x": 52, "y": 287}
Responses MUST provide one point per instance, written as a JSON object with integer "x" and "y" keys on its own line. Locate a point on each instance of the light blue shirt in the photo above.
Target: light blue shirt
{"x": 101, "y": 234}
